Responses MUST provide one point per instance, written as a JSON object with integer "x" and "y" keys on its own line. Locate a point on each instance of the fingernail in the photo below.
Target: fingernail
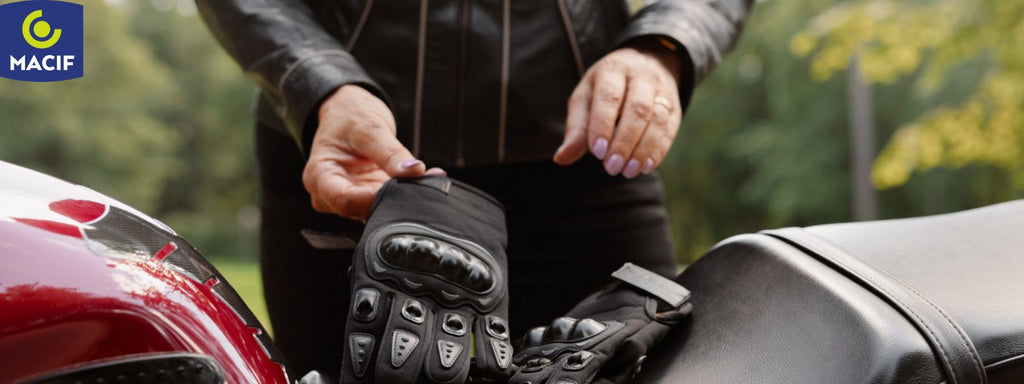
{"x": 436, "y": 172}
{"x": 632, "y": 169}
{"x": 648, "y": 166}
{"x": 560, "y": 148}
{"x": 600, "y": 148}
{"x": 410, "y": 163}
{"x": 614, "y": 165}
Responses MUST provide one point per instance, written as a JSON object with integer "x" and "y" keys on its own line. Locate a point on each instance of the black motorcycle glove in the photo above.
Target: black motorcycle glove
{"x": 429, "y": 274}
{"x": 605, "y": 338}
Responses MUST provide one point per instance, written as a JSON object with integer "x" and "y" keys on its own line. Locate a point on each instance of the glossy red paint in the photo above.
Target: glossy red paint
{"x": 52, "y": 226}
{"x": 83, "y": 211}
{"x": 62, "y": 304}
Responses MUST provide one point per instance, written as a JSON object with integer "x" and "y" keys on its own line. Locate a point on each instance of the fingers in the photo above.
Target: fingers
{"x": 436, "y": 172}
{"x": 367, "y": 316}
{"x": 628, "y": 105}
{"x": 653, "y": 145}
{"x": 337, "y": 194}
{"x": 448, "y": 358}
{"x": 383, "y": 148}
{"x": 405, "y": 341}
{"x": 574, "y": 146}
{"x": 606, "y": 101}
{"x": 493, "y": 350}
{"x": 636, "y": 113}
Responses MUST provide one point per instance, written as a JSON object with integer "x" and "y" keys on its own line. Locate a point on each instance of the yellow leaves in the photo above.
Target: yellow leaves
{"x": 987, "y": 129}
{"x": 896, "y": 162}
{"x": 896, "y": 38}
{"x": 802, "y": 44}
{"x": 891, "y": 37}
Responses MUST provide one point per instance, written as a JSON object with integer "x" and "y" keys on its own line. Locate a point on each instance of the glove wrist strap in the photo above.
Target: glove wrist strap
{"x": 667, "y": 290}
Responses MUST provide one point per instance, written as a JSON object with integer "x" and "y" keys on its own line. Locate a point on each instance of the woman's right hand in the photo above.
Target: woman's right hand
{"x": 354, "y": 152}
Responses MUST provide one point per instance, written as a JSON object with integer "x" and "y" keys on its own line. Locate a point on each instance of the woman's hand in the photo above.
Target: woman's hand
{"x": 626, "y": 108}
{"x": 354, "y": 152}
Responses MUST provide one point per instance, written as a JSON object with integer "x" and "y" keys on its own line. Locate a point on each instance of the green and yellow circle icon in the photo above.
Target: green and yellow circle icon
{"x": 34, "y": 30}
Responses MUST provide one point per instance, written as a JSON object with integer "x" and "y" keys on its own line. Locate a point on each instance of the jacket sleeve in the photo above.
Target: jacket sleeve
{"x": 281, "y": 47}
{"x": 700, "y": 30}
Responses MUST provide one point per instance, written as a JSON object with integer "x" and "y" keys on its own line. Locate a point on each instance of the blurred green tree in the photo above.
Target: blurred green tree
{"x": 161, "y": 120}
{"x": 102, "y": 130}
{"x": 928, "y": 41}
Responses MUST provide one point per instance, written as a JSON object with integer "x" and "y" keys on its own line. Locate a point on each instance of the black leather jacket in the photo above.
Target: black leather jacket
{"x": 470, "y": 82}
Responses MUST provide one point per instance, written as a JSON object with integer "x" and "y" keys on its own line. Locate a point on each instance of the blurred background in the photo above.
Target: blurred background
{"x": 827, "y": 111}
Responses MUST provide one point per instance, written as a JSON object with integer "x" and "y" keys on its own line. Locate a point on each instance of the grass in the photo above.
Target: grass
{"x": 244, "y": 276}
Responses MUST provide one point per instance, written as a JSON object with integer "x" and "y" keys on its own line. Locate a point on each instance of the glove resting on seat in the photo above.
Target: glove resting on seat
{"x": 605, "y": 338}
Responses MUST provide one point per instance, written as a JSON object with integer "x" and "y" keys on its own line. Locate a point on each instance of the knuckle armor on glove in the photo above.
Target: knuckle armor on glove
{"x": 429, "y": 274}
{"x": 605, "y": 338}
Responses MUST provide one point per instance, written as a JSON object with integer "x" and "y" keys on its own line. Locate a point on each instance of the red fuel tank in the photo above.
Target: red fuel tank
{"x": 92, "y": 289}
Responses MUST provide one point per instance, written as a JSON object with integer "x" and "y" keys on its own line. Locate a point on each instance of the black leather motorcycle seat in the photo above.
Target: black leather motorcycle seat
{"x": 768, "y": 310}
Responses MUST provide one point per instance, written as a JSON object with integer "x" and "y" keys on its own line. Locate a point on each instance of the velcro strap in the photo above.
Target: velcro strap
{"x": 656, "y": 285}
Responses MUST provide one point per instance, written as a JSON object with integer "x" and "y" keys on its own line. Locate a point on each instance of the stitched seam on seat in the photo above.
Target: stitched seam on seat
{"x": 942, "y": 351}
{"x": 959, "y": 332}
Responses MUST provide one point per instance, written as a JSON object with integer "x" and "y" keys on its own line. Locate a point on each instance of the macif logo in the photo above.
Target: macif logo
{"x": 41, "y": 40}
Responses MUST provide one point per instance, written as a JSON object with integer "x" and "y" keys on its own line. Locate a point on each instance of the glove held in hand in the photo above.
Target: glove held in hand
{"x": 429, "y": 274}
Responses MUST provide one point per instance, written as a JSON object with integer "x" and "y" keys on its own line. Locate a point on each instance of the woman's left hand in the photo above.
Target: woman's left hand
{"x": 626, "y": 109}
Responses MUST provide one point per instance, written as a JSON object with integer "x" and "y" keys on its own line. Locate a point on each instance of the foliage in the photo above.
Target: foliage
{"x": 102, "y": 130}
{"x": 161, "y": 120}
{"x": 927, "y": 40}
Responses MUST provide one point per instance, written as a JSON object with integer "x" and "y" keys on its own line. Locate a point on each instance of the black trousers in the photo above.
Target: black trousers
{"x": 569, "y": 228}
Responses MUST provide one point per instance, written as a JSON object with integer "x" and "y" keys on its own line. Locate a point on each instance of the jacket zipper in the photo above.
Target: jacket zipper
{"x": 359, "y": 26}
{"x": 571, "y": 32}
{"x": 420, "y": 57}
{"x": 505, "y": 46}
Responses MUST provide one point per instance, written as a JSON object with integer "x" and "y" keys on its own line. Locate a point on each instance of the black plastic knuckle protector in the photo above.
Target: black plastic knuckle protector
{"x": 562, "y": 335}
{"x": 422, "y": 260}
{"x": 365, "y": 303}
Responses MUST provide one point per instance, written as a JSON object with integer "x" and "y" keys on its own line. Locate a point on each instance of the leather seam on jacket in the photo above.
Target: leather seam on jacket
{"x": 506, "y": 42}
{"x": 571, "y": 33}
{"x": 259, "y": 62}
{"x": 294, "y": 67}
{"x": 359, "y": 26}
{"x": 946, "y": 357}
{"x": 421, "y": 55}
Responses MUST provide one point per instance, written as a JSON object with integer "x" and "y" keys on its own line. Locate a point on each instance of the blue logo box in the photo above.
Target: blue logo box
{"x": 41, "y": 40}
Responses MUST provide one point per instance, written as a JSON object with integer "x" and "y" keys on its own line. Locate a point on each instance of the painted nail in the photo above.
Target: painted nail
{"x": 600, "y": 148}
{"x": 614, "y": 164}
{"x": 648, "y": 166}
{"x": 410, "y": 163}
{"x": 632, "y": 169}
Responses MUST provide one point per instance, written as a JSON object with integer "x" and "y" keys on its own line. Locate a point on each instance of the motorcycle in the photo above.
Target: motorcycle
{"x": 91, "y": 290}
